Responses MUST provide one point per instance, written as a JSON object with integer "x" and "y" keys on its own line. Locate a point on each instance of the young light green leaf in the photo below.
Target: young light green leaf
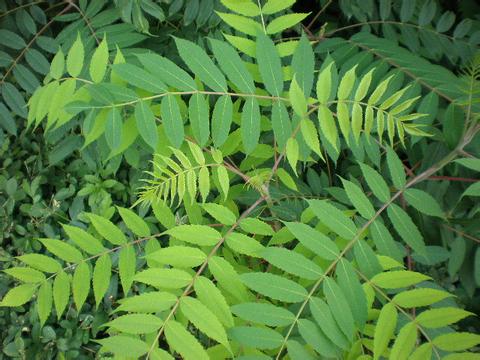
{"x": 424, "y": 351}
{"x": 292, "y": 262}
{"x": 269, "y": 65}
{"x": 281, "y": 124}
{"x": 127, "y": 262}
{"x": 343, "y": 117}
{"x": 405, "y": 342}
{"x": 384, "y": 330}
{"x": 75, "y": 57}
{"x": 223, "y": 180}
{"x": 423, "y": 202}
{"x": 134, "y": 222}
{"x": 292, "y": 152}
{"x": 62, "y": 250}
{"x": 146, "y": 124}
{"x": 184, "y": 342}
{"x": 250, "y": 124}
{"x": 107, "y": 229}
{"x": 81, "y": 284}
{"x": 398, "y": 279}
{"x": 379, "y": 91}
{"x": 41, "y": 262}
{"x": 256, "y": 226}
{"x": 213, "y": 299}
{"x": 263, "y": 313}
{"x": 283, "y": 22}
{"x": 310, "y": 135}
{"x": 19, "y": 295}
{"x": 241, "y": 23}
{"x": 317, "y": 339}
{"x": 333, "y": 218}
{"x": 437, "y": 318}
{"x": 274, "y": 6}
{"x": 255, "y": 337}
{"x": 136, "y": 323}
{"x": 203, "y": 319}
{"x": 317, "y": 242}
{"x": 61, "y": 292}
{"x": 243, "y": 7}
{"x": 25, "y": 274}
{"x": 456, "y": 341}
{"x": 362, "y": 88}
{"x": 244, "y": 244}
{"x": 324, "y": 84}
{"x": 178, "y": 256}
{"x": 44, "y": 302}
{"x": 327, "y": 125}
{"x": 406, "y": 228}
{"x": 57, "y": 67}
{"x": 101, "y": 277}
{"x": 99, "y": 62}
{"x": 172, "y": 120}
{"x": 346, "y": 84}
{"x": 122, "y": 345}
{"x": 228, "y": 278}
{"x": 220, "y": 213}
{"x": 395, "y": 167}
{"x": 148, "y": 302}
{"x": 201, "y": 65}
{"x": 274, "y": 286}
{"x": 419, "y": 297}
{"x": 297, "y": 98}
{"x": 196, "y": 234}
{"x": 164, "y": 278}
{"x": 357, "y": 121}
{"x": 84, "y": 240}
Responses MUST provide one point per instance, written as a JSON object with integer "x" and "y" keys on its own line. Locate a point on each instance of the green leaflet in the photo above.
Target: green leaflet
{"x": 263, "y": 313}
{"x": 101, "y": 277}
{"x": 274, "y": 286}
{"x": 213, "y": 299}
{"x": 244, "y": 244}
{"x": 167, "y": 71}
{"x": 62, "y": 250}
{"x": 292, "y": 262}
{"x": 164, "y": 278}
{"x": 406, "y": 228}
{"x": 419, "y": 297}
{"x": 423, "y": 202}
{"x": 340, "y": 307}
{"x": 75, "y": 57}
{"x": 316, "y": 339}
{"x": 256, "y": 226}
{"x": 113, "y": 128}
{"x": 222, "y": 120}
{"x": 243, "y": 7}
{"x": 61, "y": 292}
{"x": 317, "y": 242}
{"x": 134, "y": 222}
{"x": 19, "y": 295}
{"x": 436, "y": 318}
{"x": 44, "y": 301}
{"x": 333, "y": 218}
{"x": 99, "y": 62}
{"x": 107, "y": 229}
{"x": 358, "y": 198}
{"x": 241, "y": 23}
{"x": 122, "y": 345}
{"x": 269, "y": 65}
{"x": 259, "y": 338}
{"x": 470, "y": 163}
{"x": 398, "y": 279}
{"x": 395, "y": 167}
{"x": 324, "y": 84}
{"x": 127, "y": 262}
{"x": 201, "y": 65}
{"x": 274, "y": 6}
{"x": 25, "y": 274}
{"x": 292, "y": 153}
{"x": 196, "y": 234}
{"x": 297, "y": 351}
{"x": 84, "y": 240}
{"x": 203, "y": 319}
{"x": 384, "y": 329}
{"x": 172, "y": 120}
{"x": 199, "y": 116}
{"x": 140, "y": 78}
{"x": 41, "y": 262}
{"x": 405, "y": 342}
{"x": 281, "y": 124}
{"x": 228, "y": 278}
{"x": 376, "y": 183}
{"x": 297, "y": 98}
{"x": 284, "y": 22}
{"x": 384, "y": 241}
{"x": 81, "y": 284}
{"x": 148, "y": 302}
{"x": 327, "y": 125}
{"x": 146, "y": 124}
{"x": 57, "y": 67}
{"x": 366, "y": 259}
{"x": 346, "y": 84}
{"x": 324, "y": 319}
{"x": 309, "y": 133}
{"x": 178, "y": 256}
{"x": 456, "y": 341}
{"x": 250, "y": 124}
{"x": 233, "y": 66}
{"x": 136, "y": 323}
{"x": 221, "y": 213}
{"x": 303, "y": 64}
{"x": 184, "y": 342}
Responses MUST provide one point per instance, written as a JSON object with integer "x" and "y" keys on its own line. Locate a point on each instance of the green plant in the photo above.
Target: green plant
{"x": 251, "y": 253}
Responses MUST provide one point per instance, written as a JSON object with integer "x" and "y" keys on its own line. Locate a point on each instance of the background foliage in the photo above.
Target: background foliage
{"x": 406, "y": 206}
